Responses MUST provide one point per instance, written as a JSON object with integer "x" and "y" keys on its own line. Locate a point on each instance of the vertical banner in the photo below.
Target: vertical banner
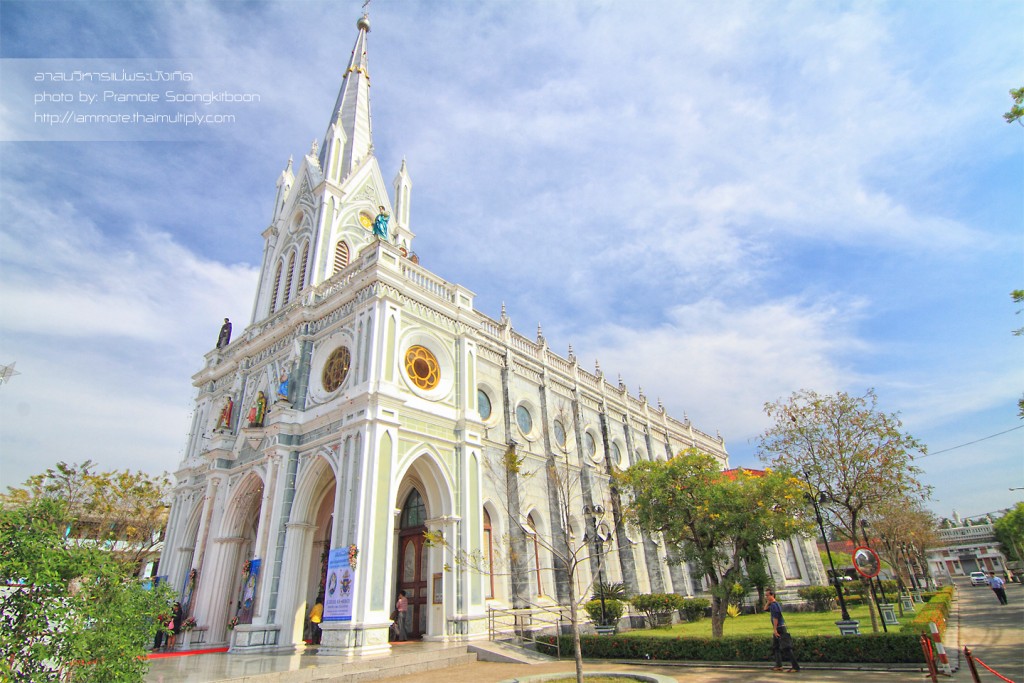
{"x": 248, "y": 593}
{"x": 187, "y": 591}
{"x": 338, "y": 594}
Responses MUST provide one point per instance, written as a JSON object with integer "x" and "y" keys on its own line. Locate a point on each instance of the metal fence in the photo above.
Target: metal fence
{"x": 525, "y": 627}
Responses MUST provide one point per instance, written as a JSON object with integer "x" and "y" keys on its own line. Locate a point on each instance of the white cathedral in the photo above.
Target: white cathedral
{"x": 368, "y": 402}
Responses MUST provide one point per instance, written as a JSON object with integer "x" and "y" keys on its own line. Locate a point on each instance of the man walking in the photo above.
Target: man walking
{"x": 998, "y": 587}
{"x": 782, "y": 641}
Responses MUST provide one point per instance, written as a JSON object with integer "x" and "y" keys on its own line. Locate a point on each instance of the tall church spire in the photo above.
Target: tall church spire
{"x": 349, "y": 137}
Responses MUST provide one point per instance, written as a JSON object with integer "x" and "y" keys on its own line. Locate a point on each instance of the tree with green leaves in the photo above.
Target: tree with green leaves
{"x": 845, "y": 447}
{"x": 851, "y": 456}
{"x": 1010, "y": 531}
{"x": 121, "y": 511}
{"x": 1017, "y": 110}
{"x": 712, "y": 518}
{"x": 901, "y": 527}
{"x": 69, "y": 611}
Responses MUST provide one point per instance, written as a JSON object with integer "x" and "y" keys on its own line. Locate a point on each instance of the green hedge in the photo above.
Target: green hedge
{"x": 870, "y": 648}
{"x": 822, "y": 598}
{"x": 935, "y": 610}
{"x": 658, "y": 606}
{"x": 694, "y": 608}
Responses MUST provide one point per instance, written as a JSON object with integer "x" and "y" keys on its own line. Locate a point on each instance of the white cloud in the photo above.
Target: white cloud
{"x": 697, "y": 194}
{"x": 106, "y": 333}
{"x": 720, "y": 362}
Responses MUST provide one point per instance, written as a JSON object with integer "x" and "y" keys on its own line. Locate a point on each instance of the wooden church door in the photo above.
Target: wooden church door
{"x": 412, "y": 563}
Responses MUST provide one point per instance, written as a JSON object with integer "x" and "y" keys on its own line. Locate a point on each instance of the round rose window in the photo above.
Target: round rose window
{"x": 422, "y": 367}
{"x": 336, "y": 368}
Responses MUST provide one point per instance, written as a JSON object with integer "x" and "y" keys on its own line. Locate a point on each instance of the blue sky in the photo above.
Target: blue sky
{"x": 722, "y": 202}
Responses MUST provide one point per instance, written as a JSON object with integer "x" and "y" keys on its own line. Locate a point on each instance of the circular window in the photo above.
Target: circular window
{"x": 559, "y": 433}
{"x": 336, "y": 368}
{"x": 366, "y": 220}
{"x": 483, "y": 404}
{"x": 422, "y": 367}
{"x": 590, "y": 444}
{"x": 524, "y": 419}
{"x": 617, "y": 456}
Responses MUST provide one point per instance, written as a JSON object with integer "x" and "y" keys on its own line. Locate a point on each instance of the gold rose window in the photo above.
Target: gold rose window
{"x": 422, "y": 367}
{"x": 336, "y": 368}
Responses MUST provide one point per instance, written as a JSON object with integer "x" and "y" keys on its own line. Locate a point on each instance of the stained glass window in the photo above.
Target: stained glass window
{"x": 422, "y": 367}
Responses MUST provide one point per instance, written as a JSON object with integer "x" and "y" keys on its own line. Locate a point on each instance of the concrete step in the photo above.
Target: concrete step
{"x": 411, "y": 667}
{"x": 494, "y": 651}
{"x": 397, "y": 663}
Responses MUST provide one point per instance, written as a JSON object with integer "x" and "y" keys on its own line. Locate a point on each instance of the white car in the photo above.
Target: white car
{"x": 978, "y": 579}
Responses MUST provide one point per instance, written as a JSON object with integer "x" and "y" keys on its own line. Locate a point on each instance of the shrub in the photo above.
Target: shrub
{"x": 869, "y": 648}
{"x": 935, "y": 610}
{"x": 613, "y": 610}
{"x": 822, "y": 598}
{"x": 694, "y": 608}
{"x": 656, "y": 605}
{"x": 615, "y": 590}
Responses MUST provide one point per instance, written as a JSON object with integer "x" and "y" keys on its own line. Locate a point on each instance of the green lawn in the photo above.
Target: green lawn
{"x": 799, "y": 623}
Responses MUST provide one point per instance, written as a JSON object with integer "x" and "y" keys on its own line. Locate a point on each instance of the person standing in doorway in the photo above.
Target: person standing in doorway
{"x": 402, "y": 607}
{"x": 782, "y": 641}
{"x": 316, "y": 615}
{"x": 998, "y": 587}
{"x": 174, "y": 625}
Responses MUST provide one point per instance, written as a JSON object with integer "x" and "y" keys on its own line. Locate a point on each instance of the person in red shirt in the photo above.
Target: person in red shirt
{"x": 402, "y": 607}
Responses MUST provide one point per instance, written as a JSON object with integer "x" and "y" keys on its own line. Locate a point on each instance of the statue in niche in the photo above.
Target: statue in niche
{"x": 224, "y": 421}
{"x": 282, "y": 387}
{"x": 258, "y": 411}
{"x": 225, "y": 334}
{"x": 380, "y": 224}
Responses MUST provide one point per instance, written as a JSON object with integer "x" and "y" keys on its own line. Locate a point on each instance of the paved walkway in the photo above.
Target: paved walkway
{"x": 995, "y": 633}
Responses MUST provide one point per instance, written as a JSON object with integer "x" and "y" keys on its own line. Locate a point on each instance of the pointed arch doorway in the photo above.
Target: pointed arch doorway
{"x": 412, "y": 562}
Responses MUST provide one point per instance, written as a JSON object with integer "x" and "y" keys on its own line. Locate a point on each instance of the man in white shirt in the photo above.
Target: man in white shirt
{"x": 998, "y": 587}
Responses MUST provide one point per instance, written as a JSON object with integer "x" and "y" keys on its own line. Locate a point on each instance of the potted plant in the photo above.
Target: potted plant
{"x": 606, "y": 617}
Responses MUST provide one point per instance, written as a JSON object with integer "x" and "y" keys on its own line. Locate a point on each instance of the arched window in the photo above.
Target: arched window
{"x": 413, "y": 512}
{"x": 489, "y": 554}
{"x": 536, "y": 552}
{"x": 302, "y": 267}
{"x": 277, "y": 285}
{"x": 340, "y": 255}
{"x": 287, "y": 295}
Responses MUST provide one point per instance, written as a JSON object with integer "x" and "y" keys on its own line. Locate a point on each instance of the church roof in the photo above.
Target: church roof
{"x": 352, "y": 108}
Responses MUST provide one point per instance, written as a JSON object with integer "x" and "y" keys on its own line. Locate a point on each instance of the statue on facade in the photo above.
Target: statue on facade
{"x": 224, "y": 421}
{"x": 225, "y": 334}
{"x": 380, "y": 224}
{"x": 258, "y": 411}
{"x": 282, "y": 387}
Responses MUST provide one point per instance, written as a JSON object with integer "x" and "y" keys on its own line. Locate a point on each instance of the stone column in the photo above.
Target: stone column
{"x": 217, "y": 587}
{"x": 292, "y": 608}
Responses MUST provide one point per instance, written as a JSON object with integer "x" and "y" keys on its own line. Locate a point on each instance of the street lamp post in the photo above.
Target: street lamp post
{"x": 914, "y": 589}
{"x": 847, "y": 626}
{"x": 595, "y": 515}
{"x": 888, "y": 616}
